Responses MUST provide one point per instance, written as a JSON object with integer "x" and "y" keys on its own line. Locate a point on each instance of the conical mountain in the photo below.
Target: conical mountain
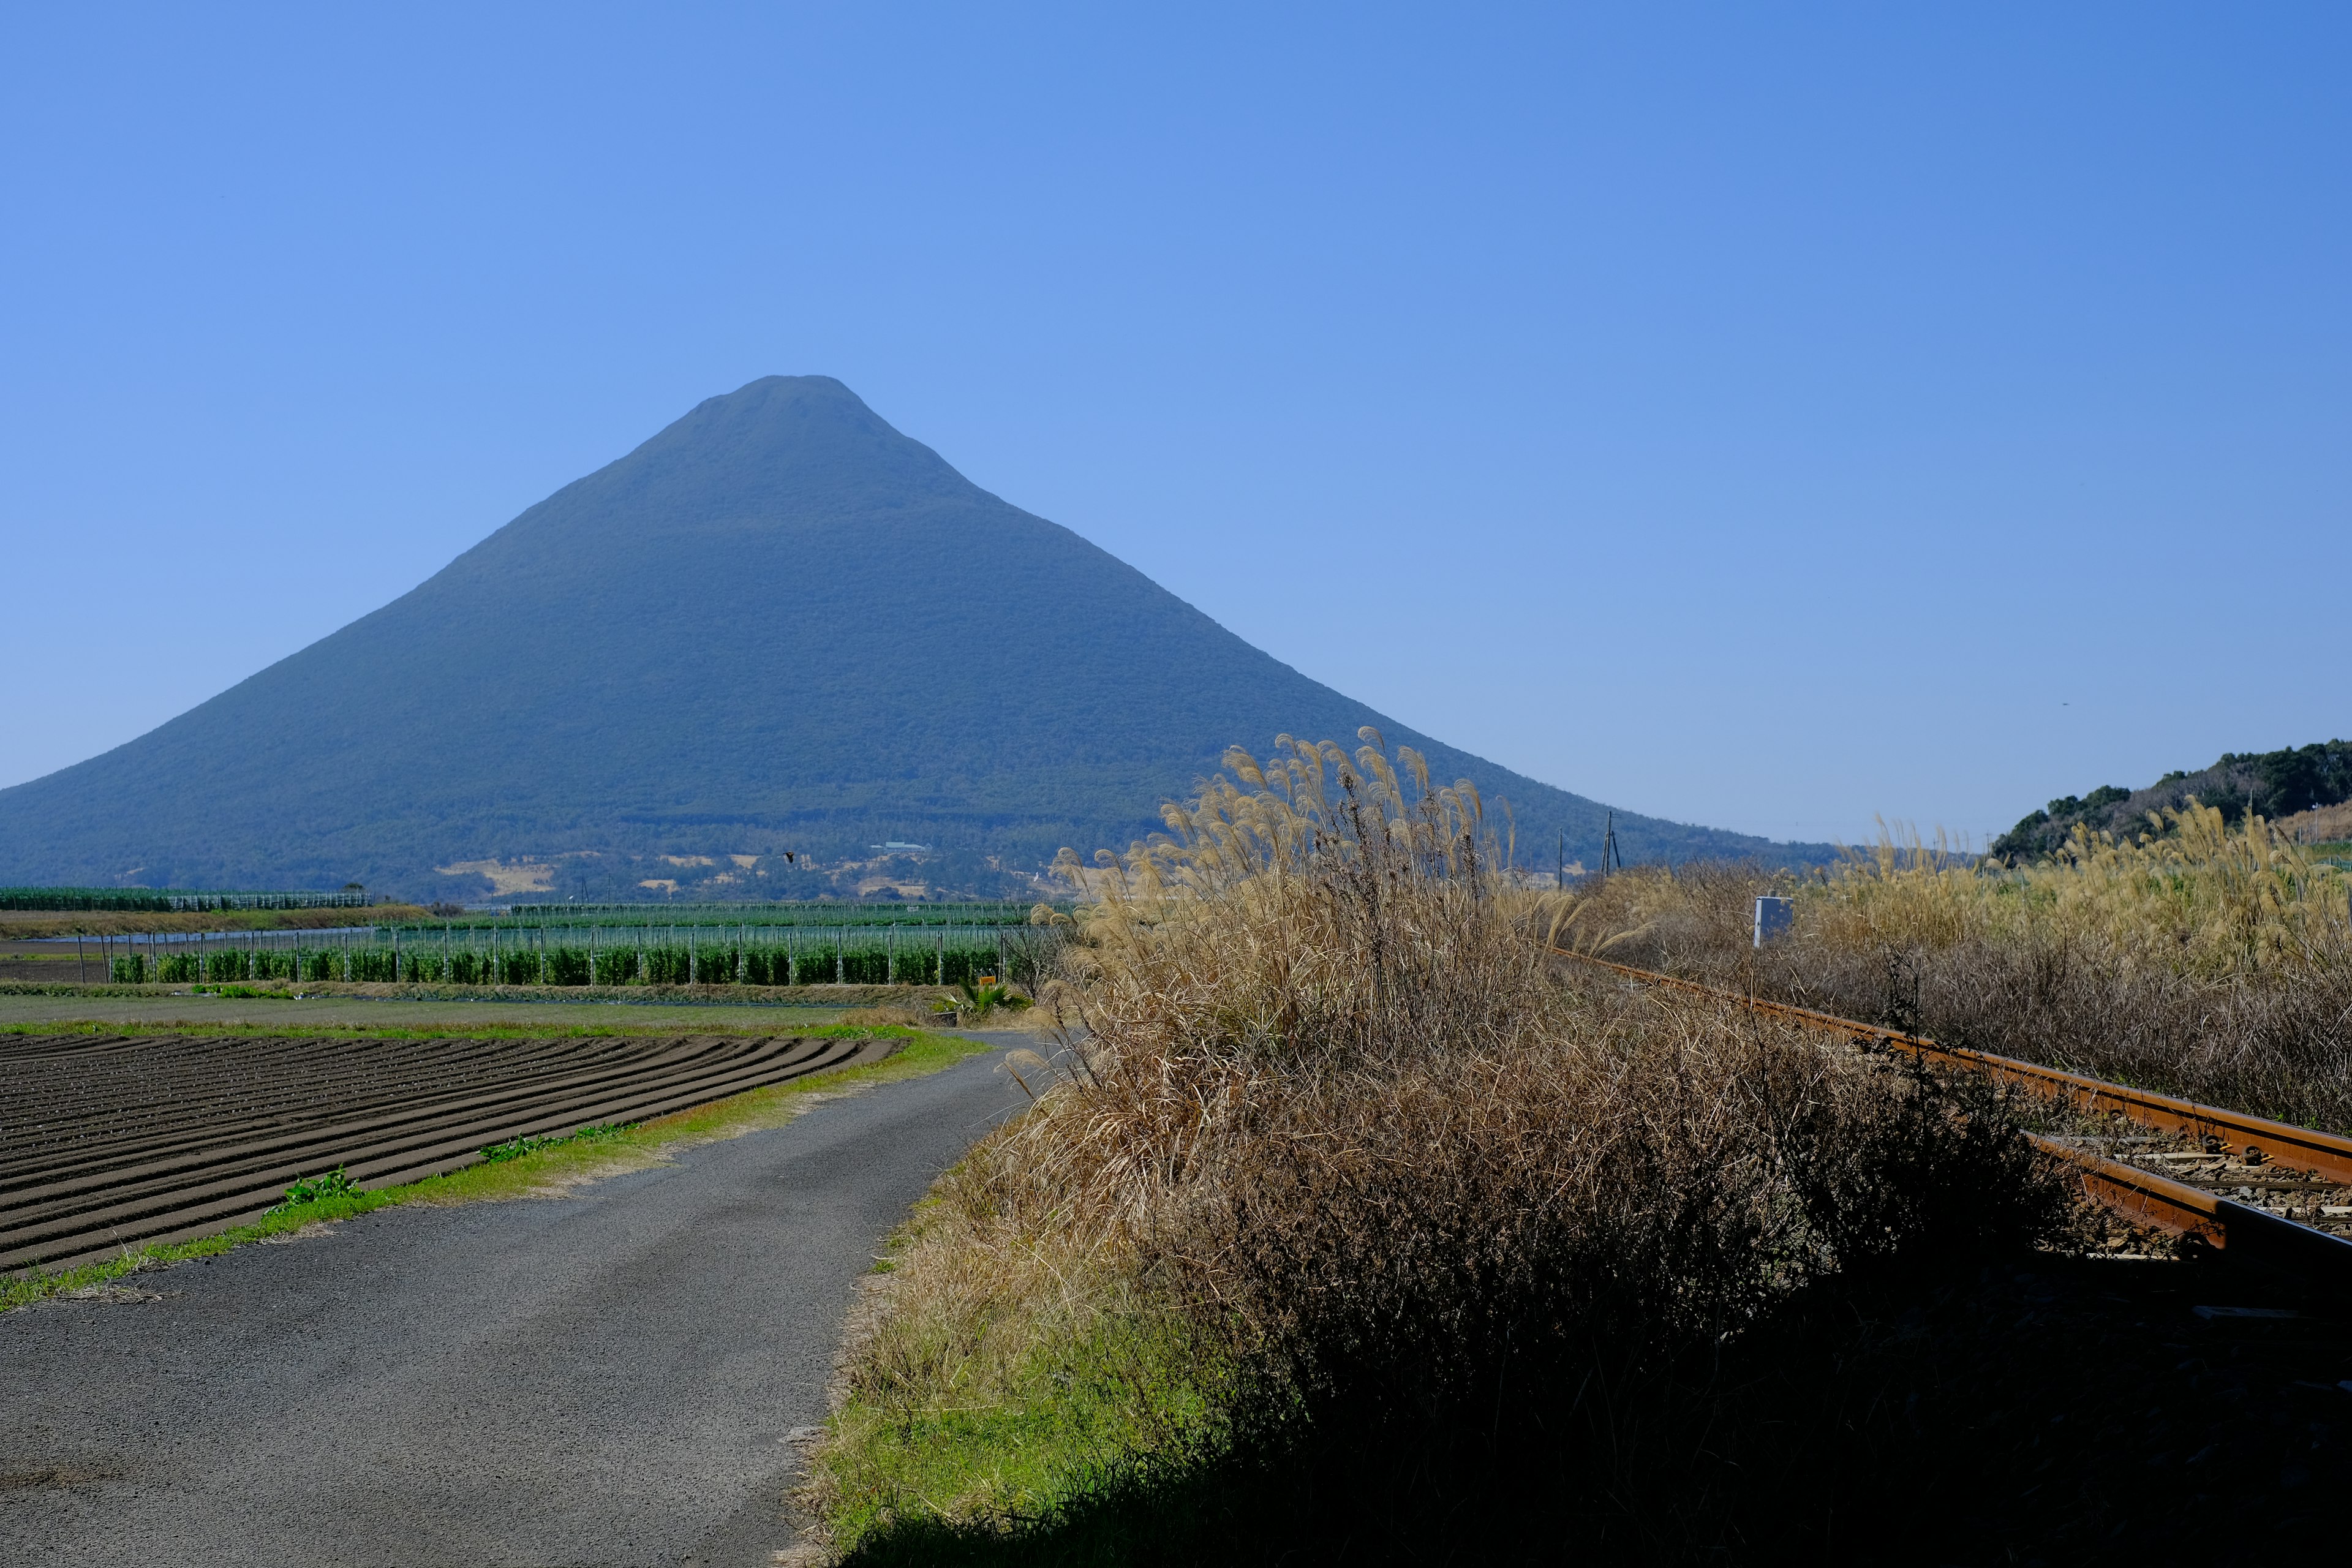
{"x": 778, "y": 624}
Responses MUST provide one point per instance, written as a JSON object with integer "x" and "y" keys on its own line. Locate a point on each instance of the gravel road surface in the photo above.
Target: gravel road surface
{"x": 616, "y": 1377}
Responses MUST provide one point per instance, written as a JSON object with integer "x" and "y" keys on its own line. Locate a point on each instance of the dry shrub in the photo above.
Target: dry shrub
{"x": 1474, "y": 1233}
{"x": 1695, "y": 919}
{"x": 1331, "y": 1100}
{"x": 2320, "y": 825}
{"x": 2192, "y": 896}
{"x": 886, "y": 1018}
{"x": 2213, "y": 963}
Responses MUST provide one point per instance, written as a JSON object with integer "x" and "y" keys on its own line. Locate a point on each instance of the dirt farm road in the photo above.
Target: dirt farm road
{"x": 615, "y": 1378}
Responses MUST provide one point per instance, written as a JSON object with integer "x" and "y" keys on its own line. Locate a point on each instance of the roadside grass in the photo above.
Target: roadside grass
{"x": 996, "y": 1375}
{"x": 1078, "y": 1417}
{"x": 516, "y": 1148}
{"x": 1961, "y": 1414}
{"x": 549, "y": 1171}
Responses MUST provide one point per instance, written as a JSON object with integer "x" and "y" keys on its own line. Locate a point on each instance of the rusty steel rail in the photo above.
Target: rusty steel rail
{"x": 2146, "y": 1198}
{"x": 2143, "y": 1196}
{"x": 2241, "y": 1229}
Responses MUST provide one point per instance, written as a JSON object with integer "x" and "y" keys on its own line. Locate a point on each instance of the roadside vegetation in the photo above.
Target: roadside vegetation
{"x": 1341, "y": 1229}
{"x": 2196, "y": 957}
{"x": 549, "y": 1166}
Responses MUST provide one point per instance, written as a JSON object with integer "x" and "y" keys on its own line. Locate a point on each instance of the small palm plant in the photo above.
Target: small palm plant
{"x": 976, "y": 999}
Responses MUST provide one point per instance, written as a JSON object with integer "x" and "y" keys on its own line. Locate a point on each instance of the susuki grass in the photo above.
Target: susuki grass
{"x": 1339, "y": 1198}
{"x": 2211, "y": 962}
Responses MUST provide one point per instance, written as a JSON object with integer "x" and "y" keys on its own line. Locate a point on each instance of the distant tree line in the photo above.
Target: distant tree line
{"x": 172, "y": 900}
{"x": 2272, "y": 784}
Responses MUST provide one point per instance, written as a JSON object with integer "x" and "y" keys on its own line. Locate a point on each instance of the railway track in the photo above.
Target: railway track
{"x": 2242, "y": 1183}
{"x": 123, "y": 1141}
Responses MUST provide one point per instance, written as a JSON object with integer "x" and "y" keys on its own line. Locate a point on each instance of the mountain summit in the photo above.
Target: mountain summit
{"x": 779, "y": 624}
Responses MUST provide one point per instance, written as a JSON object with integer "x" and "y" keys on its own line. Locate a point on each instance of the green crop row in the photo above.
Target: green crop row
{"x": 654, "y": 964}
{"x": 659, "y": 918}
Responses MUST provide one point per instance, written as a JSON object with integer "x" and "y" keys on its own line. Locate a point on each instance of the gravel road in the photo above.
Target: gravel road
{"x": 611, "y": 1378}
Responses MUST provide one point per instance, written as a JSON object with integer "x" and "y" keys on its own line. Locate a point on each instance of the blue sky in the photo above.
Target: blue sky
{"x": 1764, "y": 416}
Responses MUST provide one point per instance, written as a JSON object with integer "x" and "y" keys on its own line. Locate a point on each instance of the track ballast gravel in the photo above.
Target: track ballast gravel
{"x": 605, "y": 1380}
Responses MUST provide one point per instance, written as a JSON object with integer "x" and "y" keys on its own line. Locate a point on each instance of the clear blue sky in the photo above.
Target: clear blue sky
{"x": 1762, "y": 416}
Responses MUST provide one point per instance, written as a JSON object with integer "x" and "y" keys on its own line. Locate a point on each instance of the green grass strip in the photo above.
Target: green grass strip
{"x": 1121, "y": 1392}
{"x": 538, "y": 1171}
{"x": 516, "y": 1148}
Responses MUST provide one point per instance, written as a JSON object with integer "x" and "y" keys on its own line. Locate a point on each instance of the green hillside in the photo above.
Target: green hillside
{"x": 778, "y": 626}
{"x": 2272, "y": 784}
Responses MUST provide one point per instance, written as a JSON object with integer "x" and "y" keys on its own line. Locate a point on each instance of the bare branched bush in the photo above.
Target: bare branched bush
{"x": 1332, "y": 1099}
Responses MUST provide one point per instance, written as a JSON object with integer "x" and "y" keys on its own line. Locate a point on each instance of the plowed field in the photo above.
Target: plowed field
{"x": 121, "y": 1142}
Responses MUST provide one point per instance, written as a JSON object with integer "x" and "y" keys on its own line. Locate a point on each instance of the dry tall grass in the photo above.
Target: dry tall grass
{"x": 2320, "y": 825}
{"x": 1332, "y": 1107}
{"x": 2213, "y": 961}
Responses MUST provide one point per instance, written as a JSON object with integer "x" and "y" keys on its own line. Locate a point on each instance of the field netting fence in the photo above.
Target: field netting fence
{"x": 587, "y": 955}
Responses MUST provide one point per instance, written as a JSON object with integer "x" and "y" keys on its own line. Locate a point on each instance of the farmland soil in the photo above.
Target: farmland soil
{"x": 619, "y": 1376}
{"x": 150, "y": 1009}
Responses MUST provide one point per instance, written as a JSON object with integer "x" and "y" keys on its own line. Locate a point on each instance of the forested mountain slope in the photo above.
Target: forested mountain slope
{"x": 777, "y": 625}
